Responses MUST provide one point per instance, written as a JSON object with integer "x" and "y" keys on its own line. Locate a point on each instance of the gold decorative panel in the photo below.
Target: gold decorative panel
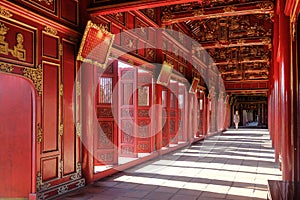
{"x": 18, "y": 43}
{"x": 36, "y": 76}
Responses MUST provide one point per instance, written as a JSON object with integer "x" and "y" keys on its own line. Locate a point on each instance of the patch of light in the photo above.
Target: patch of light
{"x": 123, "y": 65}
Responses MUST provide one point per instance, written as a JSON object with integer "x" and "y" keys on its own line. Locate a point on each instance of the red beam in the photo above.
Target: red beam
{"x": 218, "y": 12}
{"x": 135, "y": 5}
{"x": 235, "y": 43}
{"x": 243, "y": 61}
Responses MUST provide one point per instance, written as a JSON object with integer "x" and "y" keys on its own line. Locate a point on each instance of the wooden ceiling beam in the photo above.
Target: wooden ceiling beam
{"x": 262, "y": 60}
{"x": 247, "y": 91}
{"x": 125, "y": 6}
{"x": 264, "y": 7}
{"x": 237, "y": 43}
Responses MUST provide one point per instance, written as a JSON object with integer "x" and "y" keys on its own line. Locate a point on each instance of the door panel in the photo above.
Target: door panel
{"x": 144, "y": 137}
{"x": 181, "y": 114}
{"x": 173, "y": 113}
{"x": 165, "y": 117}
{"x": 69, "y": 152}
{"x": 105, "y": 143}
{"x": 16, "y": 118}
{"x": 127, "y": 110}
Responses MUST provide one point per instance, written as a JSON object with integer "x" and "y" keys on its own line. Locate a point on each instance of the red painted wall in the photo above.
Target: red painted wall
{"x": 15, "y": 132}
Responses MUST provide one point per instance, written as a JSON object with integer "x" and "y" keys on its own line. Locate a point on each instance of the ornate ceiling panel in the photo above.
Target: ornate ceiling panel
{"x": 232, "y": 28}
{"x": 237, "y": 34}
{"x": 241, "y": 54}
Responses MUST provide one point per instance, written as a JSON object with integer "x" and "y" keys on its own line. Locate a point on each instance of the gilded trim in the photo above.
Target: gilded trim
{"x": 194, "y": 85}
{"x": 166, "y": 70}
{"x": 5, "y": 13}
{"x": 78, "y": 129}
{"x": 5, "y": 67}
{"x": 60, "y": 49}
{"x": 78, "y": 173}
{"x": 36, "y": 76}
{"x": 51, "y": 30}
{"x": 63, "y": 189}
{"x": 78, "y": 88}
{"x": 60, "y": 167}
{"x": 61, "y": 130}
{"x": 61, "y": 89}
{"x": 3, "y": 44}
{"x": 19, "y": 51}
{"x": 39, "y": 136}
{"x": 212, "y": 93}
{"x": 48, "y": 2}
{"x": 39, "y": 183}
{"x": 105, "y": 35}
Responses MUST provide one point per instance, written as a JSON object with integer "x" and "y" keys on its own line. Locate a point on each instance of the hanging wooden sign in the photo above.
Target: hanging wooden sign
{"x": 165, "y": 74}
{"x": 95, "y": 45}
{"x": 194, "y": 85}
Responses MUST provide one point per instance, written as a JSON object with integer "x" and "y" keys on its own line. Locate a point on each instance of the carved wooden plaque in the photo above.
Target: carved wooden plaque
{"x": 95, "y": 45}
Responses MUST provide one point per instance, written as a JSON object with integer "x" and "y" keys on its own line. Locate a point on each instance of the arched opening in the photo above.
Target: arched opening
{"x": 16, "y": 131}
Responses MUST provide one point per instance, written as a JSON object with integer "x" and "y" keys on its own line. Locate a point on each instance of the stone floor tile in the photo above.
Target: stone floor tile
{"x": 213, "y": 195}
{"x": 136, "y": 193}
{"x": 231, "y": 165}
{"x": 189, "y": 192}
{"x": 183, "y": 197}
{"x": 158, "y": 196}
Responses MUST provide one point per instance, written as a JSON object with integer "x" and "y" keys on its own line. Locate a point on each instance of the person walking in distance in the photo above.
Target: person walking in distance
{"x": 236, "y": 119}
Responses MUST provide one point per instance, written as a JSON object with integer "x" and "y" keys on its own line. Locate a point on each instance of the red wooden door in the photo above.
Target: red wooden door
{"x": 127, "y": 112}
{"x": 165, "y": 117}
{"x": 16, "y": 116}
{"x": 144, "y": 135}
{"x": 201, "y": 118}
{"x": 198, "y": 133}
{"x": 105, "y": 142}
{"x": 181, "y": 113}
{"x": 173, "y": 112}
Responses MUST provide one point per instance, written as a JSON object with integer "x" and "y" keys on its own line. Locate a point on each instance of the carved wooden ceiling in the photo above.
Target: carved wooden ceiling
{"x": 237, "y": 34}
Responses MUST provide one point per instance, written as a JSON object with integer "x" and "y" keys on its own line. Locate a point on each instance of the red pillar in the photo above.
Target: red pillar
{"x": 296, "y": 103}
{"x": 195, "y": 110}
{"x": 88, "y": 113}
{"x": 275, "y": 102}
{"x": 204, "y": 117}
{"x": 158, "y": 116}
{"x": 284, "y": 80}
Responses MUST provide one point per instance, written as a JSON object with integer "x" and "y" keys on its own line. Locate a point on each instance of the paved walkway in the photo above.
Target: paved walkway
{"x": 233, "y": 165}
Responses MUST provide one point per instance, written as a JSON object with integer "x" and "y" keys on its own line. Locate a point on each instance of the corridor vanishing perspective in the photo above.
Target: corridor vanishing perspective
{"x": 230, "y": 165}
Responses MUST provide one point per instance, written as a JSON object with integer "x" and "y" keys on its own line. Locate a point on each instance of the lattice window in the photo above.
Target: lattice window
{"x": 164, "y": 99}
{"x": 180, "y": 101}
{"x": 105, "y": 90}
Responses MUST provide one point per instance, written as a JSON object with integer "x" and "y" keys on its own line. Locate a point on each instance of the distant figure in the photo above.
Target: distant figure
{"x": 236, "y": 119}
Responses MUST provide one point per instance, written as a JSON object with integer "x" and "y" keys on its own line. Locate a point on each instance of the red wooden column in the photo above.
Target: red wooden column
{"x": 158, "y": 116}
{"x": 270, "y": 112}
{"x": 190, "y": 134}
{"x": 88, "y": 112}
{"x": 208, "y": 113}
{"x": 195, "y": 115}
{"x": 275, "y": 102}
{"x": 296, "y": 102}
{"x": 204, "y": 114}
{"x": 284, "y": 78}
{"x": 158, "y": 90}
